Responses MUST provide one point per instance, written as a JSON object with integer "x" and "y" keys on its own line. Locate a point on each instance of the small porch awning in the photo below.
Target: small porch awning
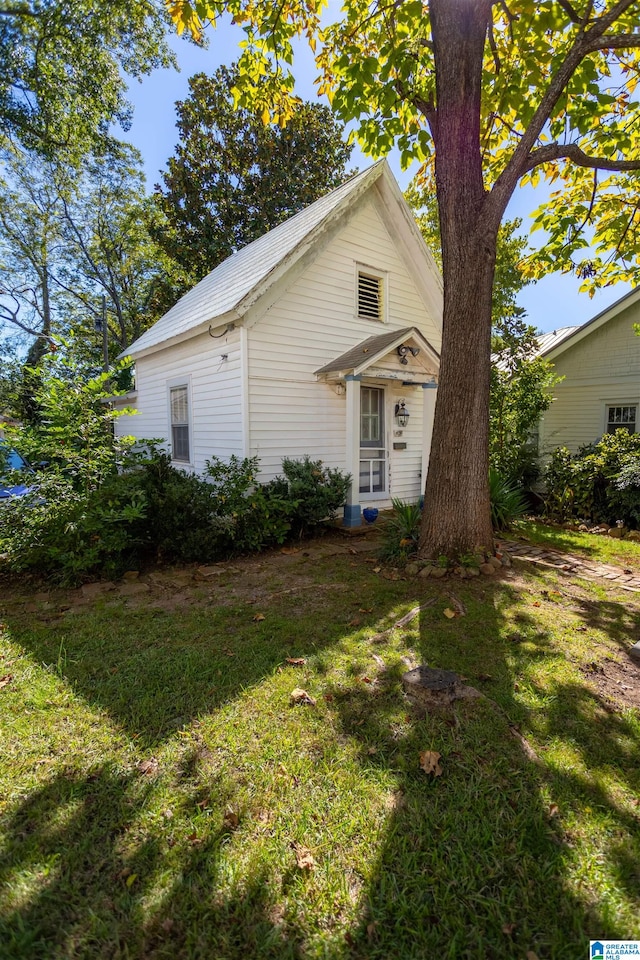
{"x": 404, "y": 355}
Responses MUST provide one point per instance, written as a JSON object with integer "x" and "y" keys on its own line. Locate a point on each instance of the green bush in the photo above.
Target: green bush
{"x": 586, "y": 485}
{"x": 507, "y": 501}
{"x": 401, "y": 532}
{"x": 313, "y": 491}
{"x": 151, "y": 510}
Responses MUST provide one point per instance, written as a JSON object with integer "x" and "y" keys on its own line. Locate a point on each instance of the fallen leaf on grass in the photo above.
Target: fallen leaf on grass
{"x": 372, "y": 930}
{"x": 366, "y": 609}
{"x": 228, "y": 652}
{"x": 167, "y": 925}
{"x": 329, "y": 697}
{"x": 231, "y": 819}
{"x": 289, "y": 551}
{"x": 296, "y": 661}
{"x": 259, "y": 617}
{"x": 508, "y": 928}
{"x": 366, "y": 679}
{"x": 194, "y": 839}
{"x": 485, "y": 676}
{"x": 131, "y": 879}
{"x": 536, "y": 603}
{"x": 372, "y": 750}
{"x": 304, "y": 858}
{"x": 355, "y": 622}
{"x": 449, "y": 613}
{"x": 430, "y": 762}
{"x": 4, "y": 681}
{"x": 530, "y": 955}
{"x": 377, "y": 569}
{"x": 554, "y": 809}
{"x": 149, "y": 767}
{"x": 301, "y": 696}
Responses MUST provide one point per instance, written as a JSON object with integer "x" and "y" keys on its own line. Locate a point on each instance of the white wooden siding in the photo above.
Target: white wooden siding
{"x": 601, "y": 369}
{"x": 315, "y": 321}
{"x": 215, "y": 396}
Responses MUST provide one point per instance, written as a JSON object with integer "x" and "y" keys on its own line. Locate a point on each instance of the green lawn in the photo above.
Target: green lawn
{"x": 158, "y": 789}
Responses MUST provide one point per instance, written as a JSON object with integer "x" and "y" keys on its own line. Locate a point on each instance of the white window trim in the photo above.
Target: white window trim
{"x": 630, "y": 402}
{"x": 184, "y": 381}
{"x": 378, "y": 274}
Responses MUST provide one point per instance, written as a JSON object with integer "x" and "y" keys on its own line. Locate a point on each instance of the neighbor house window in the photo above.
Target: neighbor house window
{"x": 179, "y": 403}
{"x": 370, "y": 296}
{"x": 621, "y": 418}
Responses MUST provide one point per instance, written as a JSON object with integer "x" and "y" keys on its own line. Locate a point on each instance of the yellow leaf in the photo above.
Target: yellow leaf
{"x": 131, "y": 879}
{"x": 430, "y": 762}
{"x": 265, "y": 116}
{"x": 301, "y": 696}
{"x": 259, "y": 617}
{"x": 304, "y": 858}
{"x": 449, "y": 613}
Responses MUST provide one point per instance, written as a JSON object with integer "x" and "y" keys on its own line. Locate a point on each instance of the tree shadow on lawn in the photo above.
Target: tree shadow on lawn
{"x": 155, "y": 672}
{"x": 478, "y": 862}
{"x": 471, "y": 864}
{"x": 110, "y": 894}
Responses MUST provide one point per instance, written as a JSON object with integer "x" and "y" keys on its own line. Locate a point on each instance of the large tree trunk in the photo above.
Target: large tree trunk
{"x": 456, "y": 517}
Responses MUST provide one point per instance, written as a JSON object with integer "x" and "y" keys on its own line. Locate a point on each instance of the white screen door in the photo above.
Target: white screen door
{"x": 373, "y": 472}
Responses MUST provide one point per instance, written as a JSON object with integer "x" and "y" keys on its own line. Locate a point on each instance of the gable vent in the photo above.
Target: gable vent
{"x": 369, "y": 297}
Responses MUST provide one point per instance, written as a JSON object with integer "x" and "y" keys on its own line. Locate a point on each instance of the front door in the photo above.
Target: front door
{"x": 373, "y": 456}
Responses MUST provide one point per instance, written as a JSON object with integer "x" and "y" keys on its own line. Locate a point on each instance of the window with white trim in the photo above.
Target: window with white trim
{"x": 370, "y": 296}
{"x": 179, "y": 406}
{"x": 622, "y": 417}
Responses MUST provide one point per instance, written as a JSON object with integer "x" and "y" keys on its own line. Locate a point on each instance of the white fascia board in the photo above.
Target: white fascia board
{"x": 390, "y": 347}
{"x": 419, "y": 259}
{"x": 215, "y": 323}
{"x": 629, "y": 300}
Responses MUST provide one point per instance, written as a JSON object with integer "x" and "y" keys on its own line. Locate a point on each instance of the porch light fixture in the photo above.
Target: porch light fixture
{"x": 340, "y": 389}
{"x": 403, "y": 350}
{"x": 402, "y": 414}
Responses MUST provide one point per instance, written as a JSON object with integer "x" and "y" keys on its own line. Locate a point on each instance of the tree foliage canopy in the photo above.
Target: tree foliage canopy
{"x": 64, "y": 64}
{"x": 555, "y": 100}
{"x": 233, "y": 177}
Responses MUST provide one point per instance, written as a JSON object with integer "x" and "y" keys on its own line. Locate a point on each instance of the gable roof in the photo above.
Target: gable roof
{"x": 226, "y": 293}
{"x": 573, "y": 335}
{"x": 367, "y": 353}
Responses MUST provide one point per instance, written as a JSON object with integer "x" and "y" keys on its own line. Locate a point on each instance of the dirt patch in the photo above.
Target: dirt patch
{"x": 616, "y": 679}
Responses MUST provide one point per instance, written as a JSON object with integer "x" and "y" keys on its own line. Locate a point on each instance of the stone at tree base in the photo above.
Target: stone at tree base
{"x": 635, "y": 651}
{"x": 487, "y": 568}
{"x": 506, "y": 561}
{"x": 495, "y": 562}
{"x": 633, "y": 535}
{"x": 426, "y": 571}
{"x": 433, "y": 688}
{"x": 411, "y": 569}
{"x": 473, "y": 571}
{"x": 439, "y": 572}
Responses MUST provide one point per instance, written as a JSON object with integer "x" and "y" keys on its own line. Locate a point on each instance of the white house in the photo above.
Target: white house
{"x": 600, "y": 365}
{"x": 322, "y": 337}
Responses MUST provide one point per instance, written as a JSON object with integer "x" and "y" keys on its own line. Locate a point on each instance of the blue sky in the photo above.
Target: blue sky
{"x": 552, "y": 302}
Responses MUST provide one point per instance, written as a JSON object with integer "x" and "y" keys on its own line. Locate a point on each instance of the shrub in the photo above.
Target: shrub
{"x": 585, "y": 485}
{"x": 401, "y": 532}
{"x": 314, "y": 492}
{"x": 507, "y": 501}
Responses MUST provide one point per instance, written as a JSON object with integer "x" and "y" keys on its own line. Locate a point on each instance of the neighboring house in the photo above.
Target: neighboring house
{"x": 600, "y": 364}
{"x": 322, "y": 337}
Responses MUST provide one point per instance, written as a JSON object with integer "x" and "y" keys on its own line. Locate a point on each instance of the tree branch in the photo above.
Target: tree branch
{"x": 587, "y": 42}
{"x": 570, "y": 11}
{"x": 571, "y": 151}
